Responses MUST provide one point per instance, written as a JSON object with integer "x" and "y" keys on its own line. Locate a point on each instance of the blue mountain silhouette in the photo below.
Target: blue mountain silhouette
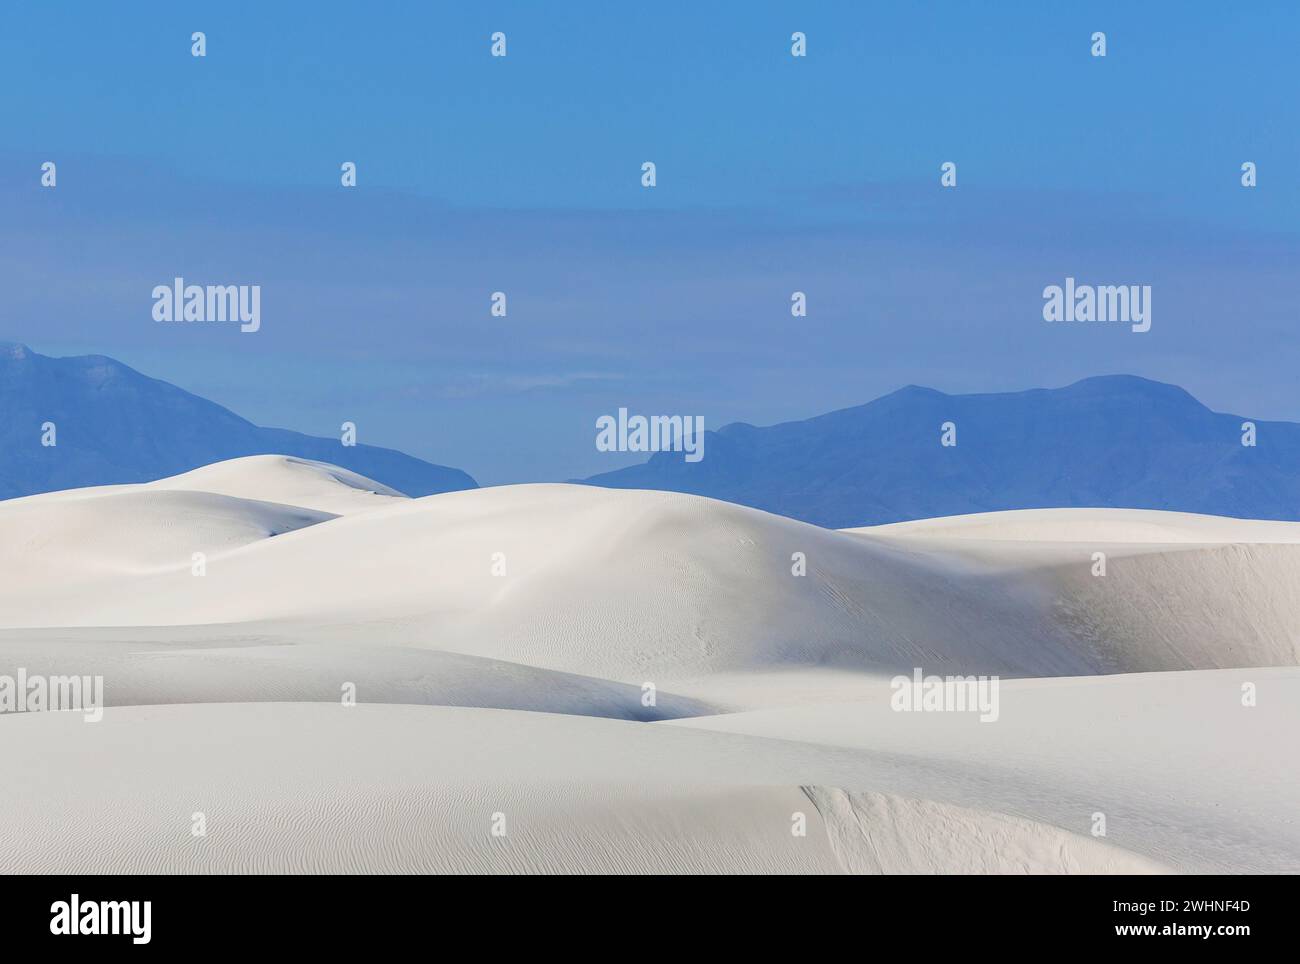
{"x": 1111, "y": 441}
{"x": 115, "y": 425}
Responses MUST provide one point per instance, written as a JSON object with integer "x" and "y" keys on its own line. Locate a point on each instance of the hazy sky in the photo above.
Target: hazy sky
{"x": 775, "y": 174}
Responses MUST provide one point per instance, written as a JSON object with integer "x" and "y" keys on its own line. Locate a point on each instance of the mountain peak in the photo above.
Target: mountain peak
{"x": 917, "y": 391}
{"x": 1120, "y": 384}
{"x": 117, "y": 425}
{"x": 1122, "y": 380}
{"x": 1111, "y": 441}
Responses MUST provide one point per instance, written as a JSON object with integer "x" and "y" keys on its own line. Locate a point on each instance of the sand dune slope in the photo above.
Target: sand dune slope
{"x": 1138, "y": 590}
{"x": 636, "y": 682}
{"x": 53, "y": 549}
{"x": 1185, "y": 772}
{"x": 629, "y": 585}
{"x": 658, "y": 586}
{"x": 288, "y": 480}
{"x": 876, "y": 833}
{"x": 421, "y": 789}
{"x": 188, "y": 668}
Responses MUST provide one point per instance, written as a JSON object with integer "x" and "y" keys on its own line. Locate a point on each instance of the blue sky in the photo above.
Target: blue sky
{"x": 775, "y": 174}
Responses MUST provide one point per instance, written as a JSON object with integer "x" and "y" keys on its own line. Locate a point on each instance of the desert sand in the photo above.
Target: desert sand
{"x": 562, "y": 678}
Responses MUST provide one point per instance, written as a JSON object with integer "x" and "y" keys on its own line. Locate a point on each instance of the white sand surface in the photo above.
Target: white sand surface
{"x": 638, "y": 681}
{"x": 289, "y": 480}
{"x": 416, "y": 789}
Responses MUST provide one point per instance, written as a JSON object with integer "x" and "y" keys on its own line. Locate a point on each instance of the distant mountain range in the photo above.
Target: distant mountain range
{"x": 114, "y": 425}
{"x": 1113, "y": 441}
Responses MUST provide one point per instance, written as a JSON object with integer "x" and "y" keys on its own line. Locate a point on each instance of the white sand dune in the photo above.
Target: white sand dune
{"x": 281, "y": 479}
{"x": 877, "y": 833}
{"x": 1180, "y": 591}
{"x": 417, "y": 789}
{"x": 646, "y": 585}
{"x": 111, "y": 538}
{"x": 1187, "y": 776}
{"x": 500, "y": 642}
{"x": 152, "y": 668}
{"x": 288, "y": 480}
{"x": 1143, "y": 526}
{"x": 628, "y": 585}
